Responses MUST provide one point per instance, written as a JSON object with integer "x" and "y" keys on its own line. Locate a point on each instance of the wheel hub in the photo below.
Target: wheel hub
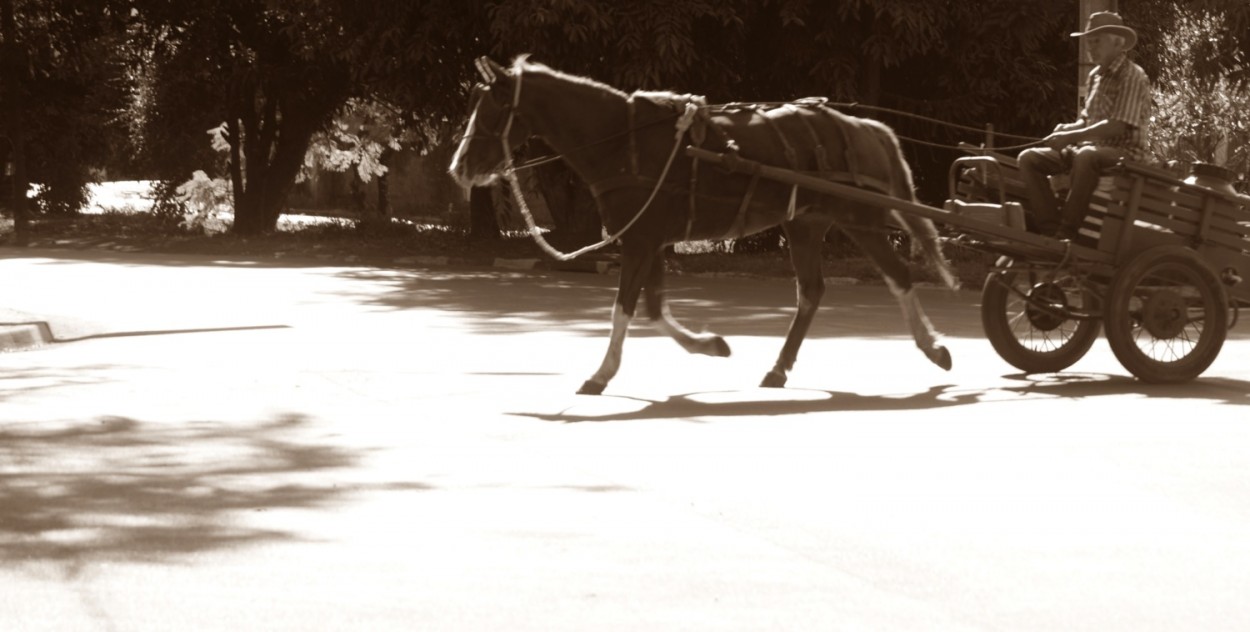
{"x": 1165, "y": 314}
{"x": 1047, "y": 304}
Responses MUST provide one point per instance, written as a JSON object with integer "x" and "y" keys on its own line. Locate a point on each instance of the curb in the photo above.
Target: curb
{"x": 22, "y": 336}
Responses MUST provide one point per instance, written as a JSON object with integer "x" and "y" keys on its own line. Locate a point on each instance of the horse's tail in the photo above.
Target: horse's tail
{"x": 924, "y": 234}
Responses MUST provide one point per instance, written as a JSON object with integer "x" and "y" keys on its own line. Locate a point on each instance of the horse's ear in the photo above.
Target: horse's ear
{"x": 483, "y": 68}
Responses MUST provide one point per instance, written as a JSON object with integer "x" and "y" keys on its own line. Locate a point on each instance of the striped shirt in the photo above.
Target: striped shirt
{"x": 1120, "y": 91}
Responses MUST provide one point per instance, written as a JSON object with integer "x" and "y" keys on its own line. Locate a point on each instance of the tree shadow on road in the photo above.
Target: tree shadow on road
{"x": 769, "y": 403}
{"x": 117, "y": 489}
{"x": 509, "y": 302}
{"x": 29, "y": 380}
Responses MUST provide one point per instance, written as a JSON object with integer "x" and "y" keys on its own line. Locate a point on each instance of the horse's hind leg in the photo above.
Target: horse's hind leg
{"x": 635, "y": 268}
{"x": 805, "y": 236}
{"x": 662, "y": 319}
{"x": 873, "y": 243}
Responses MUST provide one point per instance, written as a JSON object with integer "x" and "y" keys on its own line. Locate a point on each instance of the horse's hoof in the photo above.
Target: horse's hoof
{"x": 708, "y": 345}
{"x": 591, "y": 387}
{"x": 774, "y": 379}
{"x": 941, "y": 357}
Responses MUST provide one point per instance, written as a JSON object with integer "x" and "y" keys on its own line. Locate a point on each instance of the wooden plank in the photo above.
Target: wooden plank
{"x": 1160, "y": 206}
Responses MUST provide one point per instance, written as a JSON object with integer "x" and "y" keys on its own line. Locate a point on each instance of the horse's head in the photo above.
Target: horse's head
{"x": 480, "y": 159}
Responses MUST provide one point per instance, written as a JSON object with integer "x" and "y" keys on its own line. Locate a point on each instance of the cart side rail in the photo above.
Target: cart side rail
{"x": 1151, "y": 207}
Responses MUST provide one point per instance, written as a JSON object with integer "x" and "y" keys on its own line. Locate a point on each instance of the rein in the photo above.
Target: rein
{"x": 510, "y": 169}
{"x": 1033, "y": 140}
{"x": 682, "y": 125}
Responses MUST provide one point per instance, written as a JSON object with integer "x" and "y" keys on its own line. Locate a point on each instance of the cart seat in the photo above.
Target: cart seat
{"x": 996, "y": 177}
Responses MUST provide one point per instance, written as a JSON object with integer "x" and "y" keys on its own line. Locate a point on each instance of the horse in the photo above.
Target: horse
{"x": 624, "y": 146}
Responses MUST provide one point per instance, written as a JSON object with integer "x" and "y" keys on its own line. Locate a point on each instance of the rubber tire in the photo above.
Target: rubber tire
{"x": 1119, "y": 320}
{"x": 995, "y": 301}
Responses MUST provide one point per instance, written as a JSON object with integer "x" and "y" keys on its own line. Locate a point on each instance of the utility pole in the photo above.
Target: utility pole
{"x": 1084, "y": 65}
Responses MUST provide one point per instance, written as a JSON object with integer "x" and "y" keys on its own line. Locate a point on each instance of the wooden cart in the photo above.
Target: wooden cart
{"x": 1158, "y": 265}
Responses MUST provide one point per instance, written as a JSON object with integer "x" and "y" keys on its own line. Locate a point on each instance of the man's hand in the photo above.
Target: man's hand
{"x": 1061, "y": 139}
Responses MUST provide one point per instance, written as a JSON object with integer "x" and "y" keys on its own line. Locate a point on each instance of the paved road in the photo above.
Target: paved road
{"x": 328, "y": 448}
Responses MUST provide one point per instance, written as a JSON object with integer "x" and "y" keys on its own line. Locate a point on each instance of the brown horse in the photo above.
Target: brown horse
{"x": 625, "y": 147}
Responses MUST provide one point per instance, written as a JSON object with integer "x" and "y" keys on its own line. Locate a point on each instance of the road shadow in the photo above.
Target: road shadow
{"x": 705, "y": 406}
{"x": 103, "y": 253}
{"x": 508, "y": 302}
{"x": 15, "y": 382}
{"x": 118, "y": 489}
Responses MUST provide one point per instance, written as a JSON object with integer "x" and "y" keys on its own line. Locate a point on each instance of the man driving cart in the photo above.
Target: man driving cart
{"x": 1113, "y": 126}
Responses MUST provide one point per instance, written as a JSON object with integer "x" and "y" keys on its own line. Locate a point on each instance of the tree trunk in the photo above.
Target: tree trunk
{"x": 275, "y": 129}
{"x": 384, "y": 184}
{"x": 11, "y": 94}
{"x": 483, "y": 224}
{"x": 267, "y": 183}
{"x": 375, "y": 214}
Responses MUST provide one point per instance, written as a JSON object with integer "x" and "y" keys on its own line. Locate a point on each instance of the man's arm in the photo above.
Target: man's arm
{"x": 1101, "y": 130}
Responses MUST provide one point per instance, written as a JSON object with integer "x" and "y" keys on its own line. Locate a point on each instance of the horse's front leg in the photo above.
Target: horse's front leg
{"x": 662, "y": 318}
{"x": 634, "y": 268}
{"x": 612, "y": 360}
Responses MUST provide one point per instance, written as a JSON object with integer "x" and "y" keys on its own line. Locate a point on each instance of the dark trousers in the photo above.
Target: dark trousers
{"x": 1084, "y": 163}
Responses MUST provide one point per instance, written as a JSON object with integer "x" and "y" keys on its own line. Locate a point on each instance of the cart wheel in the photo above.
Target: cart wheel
{"x": 1167, "y": 315}
{"x": 1026, "y": 319}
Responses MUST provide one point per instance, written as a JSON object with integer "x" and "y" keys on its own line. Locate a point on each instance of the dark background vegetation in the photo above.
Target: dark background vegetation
{"x": 126, "y": 89}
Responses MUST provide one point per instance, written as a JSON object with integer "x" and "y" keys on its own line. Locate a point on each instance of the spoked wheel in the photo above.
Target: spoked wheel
{"x": 1167, "y": 316}
{"x": 1030, "y": 320}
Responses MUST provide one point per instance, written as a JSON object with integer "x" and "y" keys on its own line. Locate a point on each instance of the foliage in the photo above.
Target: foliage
{"x": 1202, "y": 100}
{"x": 354, "y": 79}
{"x": 65, "y": 86}
{"x": 273, "y": 87}
{"x": 416, "y": 57}
{"x": 357, "y": 140}
{"x": 648, "y": 44}
{"x": 1009, "y": 64}
{"x": 206, "y": 200}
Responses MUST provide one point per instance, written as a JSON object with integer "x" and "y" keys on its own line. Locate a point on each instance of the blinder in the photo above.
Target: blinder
{"x": 484, "y": 69}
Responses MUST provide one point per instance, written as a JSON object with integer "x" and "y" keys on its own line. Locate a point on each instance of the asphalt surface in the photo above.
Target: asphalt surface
{"x": 201, "y": 444}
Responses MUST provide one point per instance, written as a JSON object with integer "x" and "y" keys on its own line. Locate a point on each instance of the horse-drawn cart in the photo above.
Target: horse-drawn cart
{"x": 1158, "y": 264}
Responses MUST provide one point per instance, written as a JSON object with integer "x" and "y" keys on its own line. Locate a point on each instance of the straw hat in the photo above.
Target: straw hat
{"x": 1111, "y": 23}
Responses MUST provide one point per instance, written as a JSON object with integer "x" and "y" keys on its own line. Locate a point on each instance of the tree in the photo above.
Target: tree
{"x": 271, "y": 80}
{"x": 1002, "y": 63}
{"x": 62, "y": 83}
{"x": 13, "y": 100}
{"x": 1202, "y": 93}
{"x": 940, "y": 58}
{"x": 416, "y": 58}
{"x": 362, "y": 140}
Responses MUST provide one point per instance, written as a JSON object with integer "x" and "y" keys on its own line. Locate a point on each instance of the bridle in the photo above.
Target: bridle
{"x": 510, "y": 168}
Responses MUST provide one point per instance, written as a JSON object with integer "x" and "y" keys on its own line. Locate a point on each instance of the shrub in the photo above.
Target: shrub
{"x": 205, "y": 200}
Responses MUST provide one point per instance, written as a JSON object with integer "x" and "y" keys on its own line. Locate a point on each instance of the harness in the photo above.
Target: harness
{"x": 683, "y": 123}
{"x": 696, "y": 118}
{"x": 772, "y": 114}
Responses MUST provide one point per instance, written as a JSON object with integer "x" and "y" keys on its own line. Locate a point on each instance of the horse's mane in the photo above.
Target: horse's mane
{"x": 523, "y": 64}
{"x": 660, "y": 97}
{"x": 671, "y": 100}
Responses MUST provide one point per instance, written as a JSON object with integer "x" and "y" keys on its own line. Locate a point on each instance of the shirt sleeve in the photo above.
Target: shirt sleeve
{"x": 1132, "y": 104}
